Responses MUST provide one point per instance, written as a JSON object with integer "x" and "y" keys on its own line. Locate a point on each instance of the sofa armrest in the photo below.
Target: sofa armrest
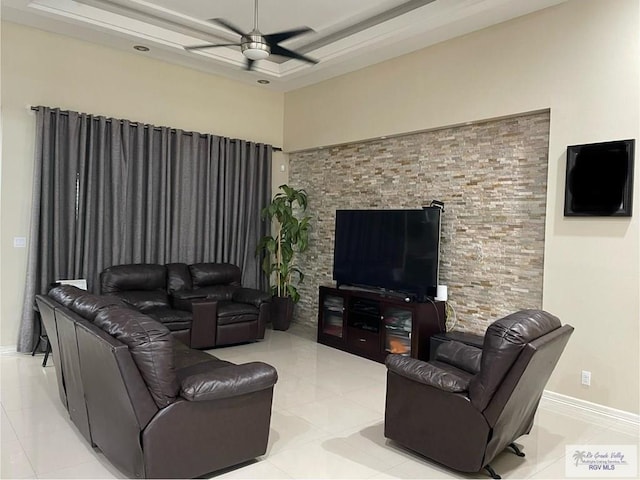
{"x": 204, "y": 322}
{"x": 251, "y": 296}
{"x": 464, "y": 357}
{"x": 183, "y": 299}
{"x": 230, "y": 381}
{"x": 426, "y": 373}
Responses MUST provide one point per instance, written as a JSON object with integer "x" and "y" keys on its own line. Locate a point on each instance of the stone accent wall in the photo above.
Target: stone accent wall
{"x": 492, "y": 178}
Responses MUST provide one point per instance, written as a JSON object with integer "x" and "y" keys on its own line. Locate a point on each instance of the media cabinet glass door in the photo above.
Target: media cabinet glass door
{"x": 398, "y": 323}
{"x": 333, "y": 316}
{"x": 332, "y": 319}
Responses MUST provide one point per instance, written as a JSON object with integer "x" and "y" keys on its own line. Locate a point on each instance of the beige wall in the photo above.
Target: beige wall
{"x": 43, "y": 69}
{"x": 279, "y": 170}
{"x": 581, "y": 60}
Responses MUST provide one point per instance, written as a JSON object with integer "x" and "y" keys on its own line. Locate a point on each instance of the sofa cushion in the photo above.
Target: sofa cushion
{"x": 185, "y": 357}
{"x": 143, "y": 276}
{"x": 460, "y": 355}
{"x": 151, "y": 347}
{"x": 252, "y": 296}
{"x": 171, "y": 318}
{"x": 178, "y": 277}
{"x": 205, "y": 274}
{"x": 187, "y": 295}
{"x": 66, "y": 294}
{"x": 217, "y": 292}
{"x": 212, "y": 292}
{"x": 88, "y": 305}
{"x": 232, "y": 312}
{"x": 145, "y": 300}
{"x": 190, "y": 362}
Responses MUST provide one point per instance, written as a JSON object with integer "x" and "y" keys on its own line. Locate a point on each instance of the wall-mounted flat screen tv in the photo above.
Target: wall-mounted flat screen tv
{"x": 396, "y": 250}
{"x": 599, "y": 179}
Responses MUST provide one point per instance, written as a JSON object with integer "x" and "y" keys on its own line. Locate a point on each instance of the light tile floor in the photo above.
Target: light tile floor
{"x": 327, "y": 422}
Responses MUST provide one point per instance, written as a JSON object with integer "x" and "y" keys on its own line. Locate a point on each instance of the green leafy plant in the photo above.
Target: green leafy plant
{"x": 290, "y": 237}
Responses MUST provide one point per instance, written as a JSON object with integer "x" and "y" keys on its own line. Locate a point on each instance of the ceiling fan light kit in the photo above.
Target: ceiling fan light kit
{"x": 256, "y": 46}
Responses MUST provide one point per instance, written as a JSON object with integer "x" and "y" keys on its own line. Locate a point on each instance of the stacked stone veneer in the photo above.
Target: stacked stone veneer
{"x": 492, "y": 177}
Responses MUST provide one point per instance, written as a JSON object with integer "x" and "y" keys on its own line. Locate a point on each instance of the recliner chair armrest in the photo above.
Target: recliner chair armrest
{"x": 230, "y": 381}
{"x": 183, "y": 300}
{"x": 204, "y": 323}
{"x": 251, "y": 296}
{"x": 460, "y": 355}
{"x": 426, "y": 373}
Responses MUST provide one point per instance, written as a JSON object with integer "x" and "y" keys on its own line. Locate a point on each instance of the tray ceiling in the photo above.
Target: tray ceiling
{"x": 348, "y": 34}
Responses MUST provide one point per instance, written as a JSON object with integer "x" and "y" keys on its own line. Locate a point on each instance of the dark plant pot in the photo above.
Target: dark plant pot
{"x": 281, "y": 312}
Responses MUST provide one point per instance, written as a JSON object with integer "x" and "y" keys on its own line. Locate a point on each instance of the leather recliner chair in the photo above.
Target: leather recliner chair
{"x": 238, "y": 314}
{"x": 469, "y": 404}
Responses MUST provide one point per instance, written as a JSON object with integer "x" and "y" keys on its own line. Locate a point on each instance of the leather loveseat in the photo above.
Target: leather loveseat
{"x": 155, "y": 407}
{"x": 469, "y": 404}
{"x": 203, "y": 305}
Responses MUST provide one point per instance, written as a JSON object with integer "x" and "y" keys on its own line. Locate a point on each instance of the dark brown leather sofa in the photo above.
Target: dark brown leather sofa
{"x": 469, "y": 404}
{"x": 155, "y": 407}
{"x": 203, "y": 305}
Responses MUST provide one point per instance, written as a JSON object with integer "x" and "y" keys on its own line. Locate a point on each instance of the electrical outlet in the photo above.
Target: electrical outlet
{"x": 586, "y": 378}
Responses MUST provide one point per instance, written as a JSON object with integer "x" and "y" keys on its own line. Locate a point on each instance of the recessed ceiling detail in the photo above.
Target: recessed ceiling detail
{"x": 254, "y": 45}
{"x": 347, "y": 34}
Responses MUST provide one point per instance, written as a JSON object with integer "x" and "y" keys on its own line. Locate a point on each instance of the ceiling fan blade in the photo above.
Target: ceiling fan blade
{"x": 249, "y": 64}
{"x": 211, "y": 45}
{"x": 278, "y": 37}
{"x": 227, "y": 25}
{"x": 284, "y": 52}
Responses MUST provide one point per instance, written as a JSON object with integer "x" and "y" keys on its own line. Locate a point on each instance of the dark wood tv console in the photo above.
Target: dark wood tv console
{"x": 373, "y": 325}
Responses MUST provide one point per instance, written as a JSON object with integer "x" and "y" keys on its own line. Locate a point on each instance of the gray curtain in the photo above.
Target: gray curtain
{"x": 109, "y": 192}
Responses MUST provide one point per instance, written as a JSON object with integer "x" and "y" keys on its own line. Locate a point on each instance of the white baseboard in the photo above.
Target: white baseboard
{"x": 588, "y": 409}
{"x": 7, "y": 349}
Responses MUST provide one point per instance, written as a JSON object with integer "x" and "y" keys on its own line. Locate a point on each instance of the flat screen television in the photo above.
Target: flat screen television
{"x": 395, "y": 250}
{"x": 599, "y": 179}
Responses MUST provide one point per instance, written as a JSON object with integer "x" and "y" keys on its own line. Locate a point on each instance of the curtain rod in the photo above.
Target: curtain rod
{"x": 109, "y": 120}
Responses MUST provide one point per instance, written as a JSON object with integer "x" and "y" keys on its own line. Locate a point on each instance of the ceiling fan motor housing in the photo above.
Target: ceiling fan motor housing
{"x": 254, "y": 46}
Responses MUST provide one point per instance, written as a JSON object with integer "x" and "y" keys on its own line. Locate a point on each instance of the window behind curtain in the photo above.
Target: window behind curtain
{"x": 110, "y": 191}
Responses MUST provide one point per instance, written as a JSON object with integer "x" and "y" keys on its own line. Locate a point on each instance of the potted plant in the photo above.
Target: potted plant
{"x": 290, "y": 228}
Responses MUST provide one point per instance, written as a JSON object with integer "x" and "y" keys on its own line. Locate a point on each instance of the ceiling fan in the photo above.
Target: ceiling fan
{"x": 255, "y": 45}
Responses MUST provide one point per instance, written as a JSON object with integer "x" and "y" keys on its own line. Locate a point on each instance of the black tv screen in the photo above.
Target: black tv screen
{"x": 599, "y": 179}
{"x": 396, "y": 250}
